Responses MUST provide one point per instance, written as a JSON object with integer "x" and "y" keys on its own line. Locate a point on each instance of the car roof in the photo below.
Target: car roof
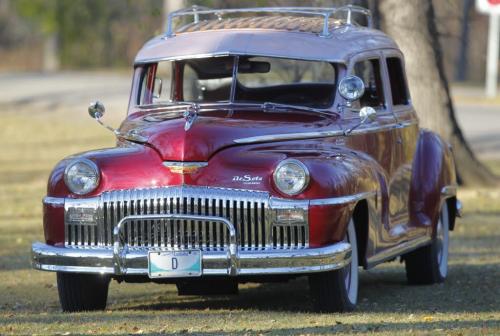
{"x": 287, "y": 37}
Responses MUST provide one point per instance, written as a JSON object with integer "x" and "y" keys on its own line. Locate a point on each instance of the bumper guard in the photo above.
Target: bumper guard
{"x": 122, "y": 260}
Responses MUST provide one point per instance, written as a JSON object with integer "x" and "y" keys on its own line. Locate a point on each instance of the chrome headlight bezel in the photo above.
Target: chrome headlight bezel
{"x": 92, "y": 166}
{"x": 297, "y": 164}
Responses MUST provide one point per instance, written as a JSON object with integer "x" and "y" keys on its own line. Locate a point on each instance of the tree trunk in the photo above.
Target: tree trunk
{"x": 412, "y": 24}
{"x": 461, "y": 69}
{"x": 50, "y": 53}
{"x": 171, "y": 6}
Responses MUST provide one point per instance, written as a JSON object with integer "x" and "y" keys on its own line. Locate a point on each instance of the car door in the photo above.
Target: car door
{"x": 406, "y": 133}
{"x": 375, "y": 138}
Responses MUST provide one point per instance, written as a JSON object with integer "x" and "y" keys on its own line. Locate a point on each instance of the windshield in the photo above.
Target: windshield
{"x": 245, "y": 79}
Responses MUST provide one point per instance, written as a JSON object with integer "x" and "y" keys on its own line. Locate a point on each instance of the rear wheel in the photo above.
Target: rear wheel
{"x": 429, "y": 264}
{"x": 337, "y": 291}
{"x": 82, "y": 292}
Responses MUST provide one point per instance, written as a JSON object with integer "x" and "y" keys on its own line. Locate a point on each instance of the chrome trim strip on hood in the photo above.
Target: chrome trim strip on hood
{"x": 321, "y": 134}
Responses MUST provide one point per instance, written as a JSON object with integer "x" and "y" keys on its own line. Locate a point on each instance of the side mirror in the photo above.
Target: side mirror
{"x": 351, "y": 88}
{"x": 367, "y": 113}
{"x": 96, "y": 109}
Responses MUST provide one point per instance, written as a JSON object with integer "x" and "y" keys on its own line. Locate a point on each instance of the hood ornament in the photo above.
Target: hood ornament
{"x": 190, "y": 115}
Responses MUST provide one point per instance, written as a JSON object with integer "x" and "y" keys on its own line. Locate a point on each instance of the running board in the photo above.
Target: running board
{"x": 397, "y": 250}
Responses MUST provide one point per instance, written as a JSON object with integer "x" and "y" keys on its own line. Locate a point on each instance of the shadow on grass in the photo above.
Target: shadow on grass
{"x": 469, "y": 288}
{"x": 483, "y": 327}
{"x": 15, "y": 262}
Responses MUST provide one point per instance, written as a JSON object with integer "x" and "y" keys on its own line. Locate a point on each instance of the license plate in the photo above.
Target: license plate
{"x": 174, "y": 264}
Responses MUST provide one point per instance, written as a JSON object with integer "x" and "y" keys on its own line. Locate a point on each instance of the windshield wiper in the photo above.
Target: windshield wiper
{"x": 269, "y": 106}
{"x": 200, "y": 107}
{"x": 191, "y": 107}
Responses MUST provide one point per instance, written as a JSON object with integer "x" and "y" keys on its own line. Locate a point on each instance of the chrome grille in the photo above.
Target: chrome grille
{"x": 247, "y": 210}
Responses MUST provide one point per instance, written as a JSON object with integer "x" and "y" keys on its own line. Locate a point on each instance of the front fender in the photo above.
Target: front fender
{"x": 339, "y": 178}
{"x": 120, "y": 168}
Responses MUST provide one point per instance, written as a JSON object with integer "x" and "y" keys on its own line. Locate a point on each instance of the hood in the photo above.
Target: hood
{"x": 212, "y": 131}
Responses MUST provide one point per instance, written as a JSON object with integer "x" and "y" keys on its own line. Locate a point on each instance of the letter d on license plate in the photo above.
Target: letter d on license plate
{"x": 174, "y": 264}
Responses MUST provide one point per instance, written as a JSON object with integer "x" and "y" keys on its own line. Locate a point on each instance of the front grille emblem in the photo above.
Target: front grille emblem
{"x": 184, "y": 167}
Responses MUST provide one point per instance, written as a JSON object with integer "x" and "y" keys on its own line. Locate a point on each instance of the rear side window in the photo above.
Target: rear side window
{"x": 369, "y": 72}
{"x": 398, "y": 83}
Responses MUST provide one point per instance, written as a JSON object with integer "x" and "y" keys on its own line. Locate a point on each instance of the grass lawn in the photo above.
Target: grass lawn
{"x": 467, "y": 304}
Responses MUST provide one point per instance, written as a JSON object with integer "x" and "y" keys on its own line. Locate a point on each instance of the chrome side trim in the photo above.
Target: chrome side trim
{"x": 342, "y": 199}
{"x": 288, "y": 136}
{"x": 100, "y": 260}
{"x": 53, "y": 201}
{"x": 323, "y": 134}
{"x": 397, "y": 250}
{"x": 450, "y": 190}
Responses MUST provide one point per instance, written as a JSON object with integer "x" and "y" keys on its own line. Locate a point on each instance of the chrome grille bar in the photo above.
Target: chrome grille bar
{"x": 249, "y": 211}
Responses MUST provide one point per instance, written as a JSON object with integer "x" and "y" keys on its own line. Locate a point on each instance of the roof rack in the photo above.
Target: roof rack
{"x": 326, "y": 13}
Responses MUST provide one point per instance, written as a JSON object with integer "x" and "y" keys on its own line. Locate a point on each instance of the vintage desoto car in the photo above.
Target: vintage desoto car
{"x": 260, "y": 145}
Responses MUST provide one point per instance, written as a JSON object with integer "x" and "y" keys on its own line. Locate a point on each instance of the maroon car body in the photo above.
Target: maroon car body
{"x": 217, "y": 160}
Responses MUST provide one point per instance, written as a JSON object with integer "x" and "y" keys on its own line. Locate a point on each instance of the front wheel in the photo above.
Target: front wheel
{"x": 429, "y": 264}
{"x": 337, "y": 291}
{"x": 82, "y": 292}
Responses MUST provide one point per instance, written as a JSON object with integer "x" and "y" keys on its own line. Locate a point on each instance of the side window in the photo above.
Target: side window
{"x": 190, "y": 85}
{"x": 369, "y": 72}
{"x": 162, "y": 83}
{"x": 398, "y": 83}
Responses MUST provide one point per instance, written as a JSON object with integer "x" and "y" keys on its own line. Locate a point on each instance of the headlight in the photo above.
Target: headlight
{"x": 291, "y": 177}
{"x": 82, "y": 176}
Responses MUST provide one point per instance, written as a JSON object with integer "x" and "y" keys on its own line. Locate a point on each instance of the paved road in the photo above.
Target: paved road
{"x": 481, "y": 125}
{"x": 73, "y": 91}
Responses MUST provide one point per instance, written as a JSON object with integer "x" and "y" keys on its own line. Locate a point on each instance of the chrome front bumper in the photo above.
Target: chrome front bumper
{"x": 232, "y": 261}
{"x": 135, "y": 262}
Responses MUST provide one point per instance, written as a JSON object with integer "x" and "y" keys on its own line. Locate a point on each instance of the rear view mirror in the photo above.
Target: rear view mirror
{"x": 254, "y": 67}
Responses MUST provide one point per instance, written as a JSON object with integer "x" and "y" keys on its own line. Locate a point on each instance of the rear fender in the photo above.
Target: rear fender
{"x": 433, "y": 180}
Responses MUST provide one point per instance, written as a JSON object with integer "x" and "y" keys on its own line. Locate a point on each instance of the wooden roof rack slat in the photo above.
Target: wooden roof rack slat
{"x": 326, "y": 13}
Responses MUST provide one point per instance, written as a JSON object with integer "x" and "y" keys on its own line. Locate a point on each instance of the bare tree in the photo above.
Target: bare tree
{"x": 412, "y": 24}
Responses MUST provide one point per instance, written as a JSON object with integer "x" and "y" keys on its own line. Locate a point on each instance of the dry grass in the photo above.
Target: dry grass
{"x": 467, "y": 304}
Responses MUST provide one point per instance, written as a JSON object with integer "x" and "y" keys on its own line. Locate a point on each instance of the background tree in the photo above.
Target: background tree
{"x": 412, "y": 24}
{"x": 92, "y": 33}
{"x": 43, "y": 14}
